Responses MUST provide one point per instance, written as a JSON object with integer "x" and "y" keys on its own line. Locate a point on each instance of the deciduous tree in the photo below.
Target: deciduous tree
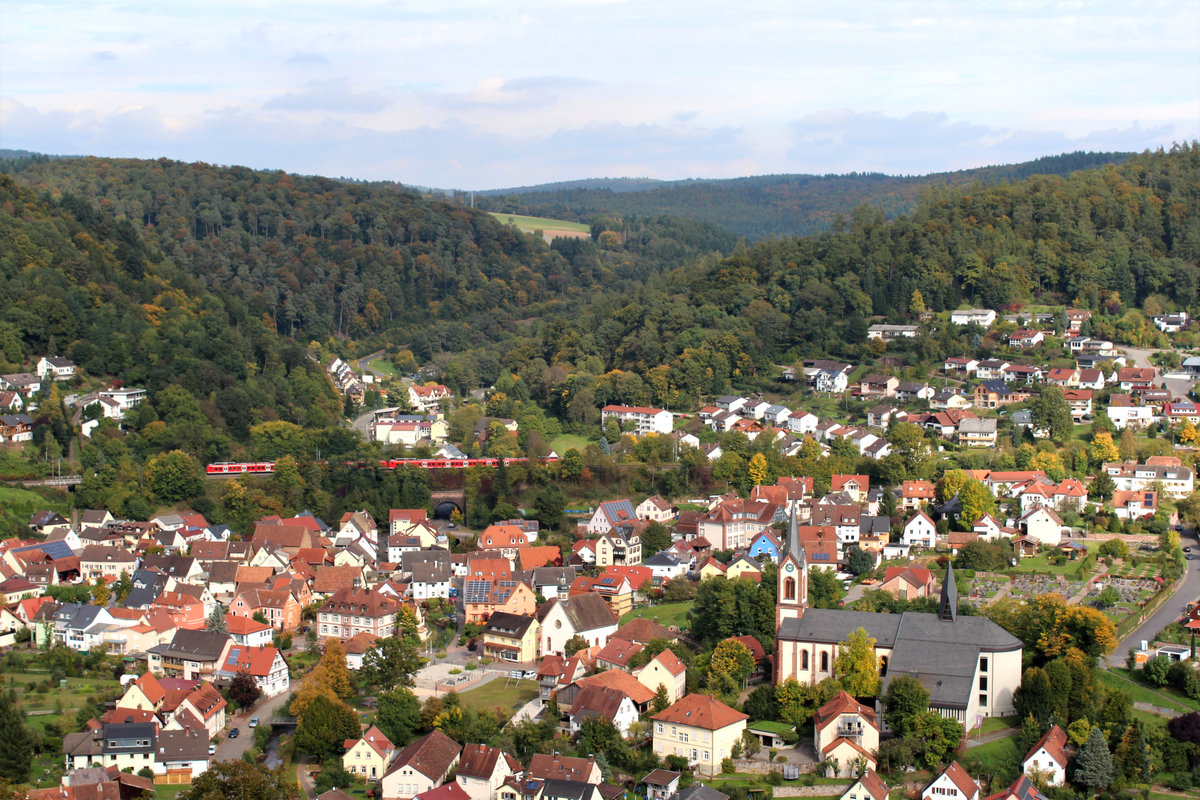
{"x": 856, "y": 665}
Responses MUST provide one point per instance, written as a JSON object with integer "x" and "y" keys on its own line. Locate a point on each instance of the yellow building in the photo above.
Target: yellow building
{"x": 511, "y": 637}
{"x": 712, "y": 569}
{"x": 743, "y": 567}
{"x": 665, "y": 669}
{"x": 369, "y": 756}
{"x": 701, "y": 729}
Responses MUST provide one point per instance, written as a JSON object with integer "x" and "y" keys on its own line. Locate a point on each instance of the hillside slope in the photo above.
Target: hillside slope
{"x": 764, "y": 205}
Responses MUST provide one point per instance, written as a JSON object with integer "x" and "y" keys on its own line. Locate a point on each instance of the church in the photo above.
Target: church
{"x": 970, "y": 665}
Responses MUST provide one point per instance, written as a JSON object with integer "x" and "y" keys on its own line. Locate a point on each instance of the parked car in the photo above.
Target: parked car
{"x": 235, "y": 733}
{"x": 212, "y": 749}
{"x": 254, "y": 722}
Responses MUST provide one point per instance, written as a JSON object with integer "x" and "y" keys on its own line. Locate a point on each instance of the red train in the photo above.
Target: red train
{"x": 237, "y": 468}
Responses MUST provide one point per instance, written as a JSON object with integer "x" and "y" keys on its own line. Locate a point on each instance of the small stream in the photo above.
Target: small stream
{"x": 272, "y": 751}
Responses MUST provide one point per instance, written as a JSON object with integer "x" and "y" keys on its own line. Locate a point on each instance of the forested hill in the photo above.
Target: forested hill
{"x": 765, "y": 205}
{"x": 323, "y": 258}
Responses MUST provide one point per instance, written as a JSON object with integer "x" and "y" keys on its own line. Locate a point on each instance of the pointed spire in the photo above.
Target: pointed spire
{"x": 948, "y": 607}
{"x": 792, "y": 544}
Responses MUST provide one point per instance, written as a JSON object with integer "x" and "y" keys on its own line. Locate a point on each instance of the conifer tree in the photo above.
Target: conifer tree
{"x": 1094, "y": 764}
{"x": 16, "y": 745}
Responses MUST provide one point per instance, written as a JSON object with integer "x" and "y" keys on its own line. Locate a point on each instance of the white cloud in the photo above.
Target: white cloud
{"x": 533, "y": 90}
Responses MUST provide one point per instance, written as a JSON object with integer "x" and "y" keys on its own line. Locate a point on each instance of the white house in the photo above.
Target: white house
{"x": 802, "y": 422}
{"x": 952, "y": 783}
{"x": 1048, "y": 758}
{"x": 586, "y": 615}
{"x": 60, "y": 369}
{"x": 645, "y": 419}
{"x": 655, "y": 509}
{"x": 920, "y": 531}
{"x": 1043, "y": 525}
{"x": 979, "y": 316}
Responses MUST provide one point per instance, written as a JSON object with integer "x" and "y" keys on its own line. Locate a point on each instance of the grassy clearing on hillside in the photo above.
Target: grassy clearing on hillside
{"x": 18, "y": 504}
{"x": 999, "y": 752}
{"x": 530, "y": 224}
{"x": 1041, "y": 563}
{"x": 565, "y": 441}
{"x": 667, "y": 614}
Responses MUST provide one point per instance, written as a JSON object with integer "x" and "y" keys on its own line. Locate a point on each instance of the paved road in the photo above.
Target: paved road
{"x": 232, "y": 749}
{"x": 1168, "y": 612}
{"x": 1140, "y": 357}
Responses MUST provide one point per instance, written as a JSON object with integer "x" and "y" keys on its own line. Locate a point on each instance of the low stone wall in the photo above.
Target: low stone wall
{"x": 824, "y": 790}
{"x": 760, "y": 766}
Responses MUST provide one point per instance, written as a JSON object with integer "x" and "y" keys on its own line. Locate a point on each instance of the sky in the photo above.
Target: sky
{"x": 472, "y": 95}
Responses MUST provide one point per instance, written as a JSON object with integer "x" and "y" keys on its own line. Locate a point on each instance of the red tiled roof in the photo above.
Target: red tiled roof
{"x": 701, "y": 711}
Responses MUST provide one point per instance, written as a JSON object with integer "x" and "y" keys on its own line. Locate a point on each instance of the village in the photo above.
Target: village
{"x": 768, "y": 640}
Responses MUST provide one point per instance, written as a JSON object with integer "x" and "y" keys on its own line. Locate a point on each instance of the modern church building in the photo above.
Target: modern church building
{"x": 970, "y": 665}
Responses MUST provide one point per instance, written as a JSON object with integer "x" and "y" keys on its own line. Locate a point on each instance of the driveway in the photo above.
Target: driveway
{"x": 1177, "y": 385}
{"x": 232, "y": 749}
{"x": 1170, "y": 611}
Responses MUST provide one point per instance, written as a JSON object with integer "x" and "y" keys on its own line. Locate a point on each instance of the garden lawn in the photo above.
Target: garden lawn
{"x": 993, "y": 724}
{"x": 994, "y": 755}
{"x": 1041, "y": 563}
{"x": 667, "y": 614}
{"x": 383, "y": 366}
{"x": 167, "y": 791}
{"x": 1165, "y": 697}
{"x": 498, "y": 693}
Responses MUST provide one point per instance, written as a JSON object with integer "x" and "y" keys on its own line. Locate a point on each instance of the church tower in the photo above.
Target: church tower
{"x": 948, "y": 604}
{"x": 793, "y": 575}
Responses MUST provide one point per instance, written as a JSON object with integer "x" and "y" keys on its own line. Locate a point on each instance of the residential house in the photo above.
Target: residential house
{"x": 875, "y": 385}
{"x": 1026, "y": 338}
{"x": 856, "y": 486}
{"x": 869, "y": 786}
{"x": 996, "y": 394}
{"x": 620, "y": 545}
{"x": 280, "y": 609}
{"x": 509, "y": 637}
{"x": 427, "y": 398}
{"x": 734, "y": 522}
{"x": 960, "y": 364}
{"x": 1125, "y": 412}
{"x": 655, "y": 509}
{"x": 984, "y": 317}
{"x": 952, "y": 783}
{"x": 827, "y": 377}
{"x": 584, "y": 615}
{"x": 99, "y": 561}
{"x": 666, "y": 670}
{"x": 1134, "y": 378}
{"x": 1042, "y": 525}
{"x": 645, "y": 420}
{"x": 1080, "y": 401}
{"x": 207, "y": 705}
{"x": 1169, "y": 323}
{"x": 369, "y": 755}
{"x": 563, "y": 768}
{"x": 264, "y": 663}
{"x": 846, "y": 732}
{"x": 977, "y": 432}
{"x": 421, "y": 766}
{"x": 1134, "y": 505}
{"x": 349, "y": 612}
{"x": 483, "y": 597}
{"x": 949, "y": 400}
{"x": 991, "y": 369}
{"x": 908, "y": 582}
{"x": 1047, "y": 760}
{"x": 190, "y": 654}
{"x": 483, "y": 769}
{"x": 1168, "y": 472}
{"x": 700, "y": 729}
{"x": 914, "y": 494}
{"x": 55, "y": 368}
{"x": 599, "y": 702}
{"x": 920, "y": 531}
{"x": 889, "y": 332}
{"x": 609, "y": 514}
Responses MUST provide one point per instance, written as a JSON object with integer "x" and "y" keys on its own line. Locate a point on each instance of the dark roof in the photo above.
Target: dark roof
{"x": 567, "y": 790}
{"x": 501, "y": 623}
{"x": 661, "y": 777}
{"x": 184, "y": 745}
{"x": 700, "y": 792}
{"x": 196, "y": 645}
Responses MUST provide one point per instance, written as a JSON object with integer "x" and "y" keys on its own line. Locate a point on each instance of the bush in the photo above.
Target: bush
{"x": 727, "y": 766}
{"x": 775, "y": 777}
{"x": 472, "y": 666}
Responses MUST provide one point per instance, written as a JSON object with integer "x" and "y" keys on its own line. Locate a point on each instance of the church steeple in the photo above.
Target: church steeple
{"x": 793, "y": 574}
{"x": 948, "y": 606}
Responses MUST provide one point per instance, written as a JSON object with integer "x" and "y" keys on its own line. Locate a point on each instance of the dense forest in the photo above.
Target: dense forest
{"x": 764, "y": 205}
{"x": 216, "y": 288}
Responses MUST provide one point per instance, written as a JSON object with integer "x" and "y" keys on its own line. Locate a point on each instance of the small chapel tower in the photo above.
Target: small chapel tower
{"x": 793, "y": 576}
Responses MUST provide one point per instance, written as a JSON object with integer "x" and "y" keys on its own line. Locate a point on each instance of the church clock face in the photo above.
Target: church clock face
{"x": 791, "y": 567}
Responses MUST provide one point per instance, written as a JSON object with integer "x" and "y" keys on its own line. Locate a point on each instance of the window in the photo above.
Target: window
{"x": 804, "y": 659}
{"x": 825, "y": 662}
{"x": 983, "y": 699}
{"x": 683, "y": 737}
{"x": 658, "y": 728}
{"x": 983, "y": 683}
{"x": 789, "y": 589}
{"x": 695, "y": 756}
{"x": 983, "y": 663}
